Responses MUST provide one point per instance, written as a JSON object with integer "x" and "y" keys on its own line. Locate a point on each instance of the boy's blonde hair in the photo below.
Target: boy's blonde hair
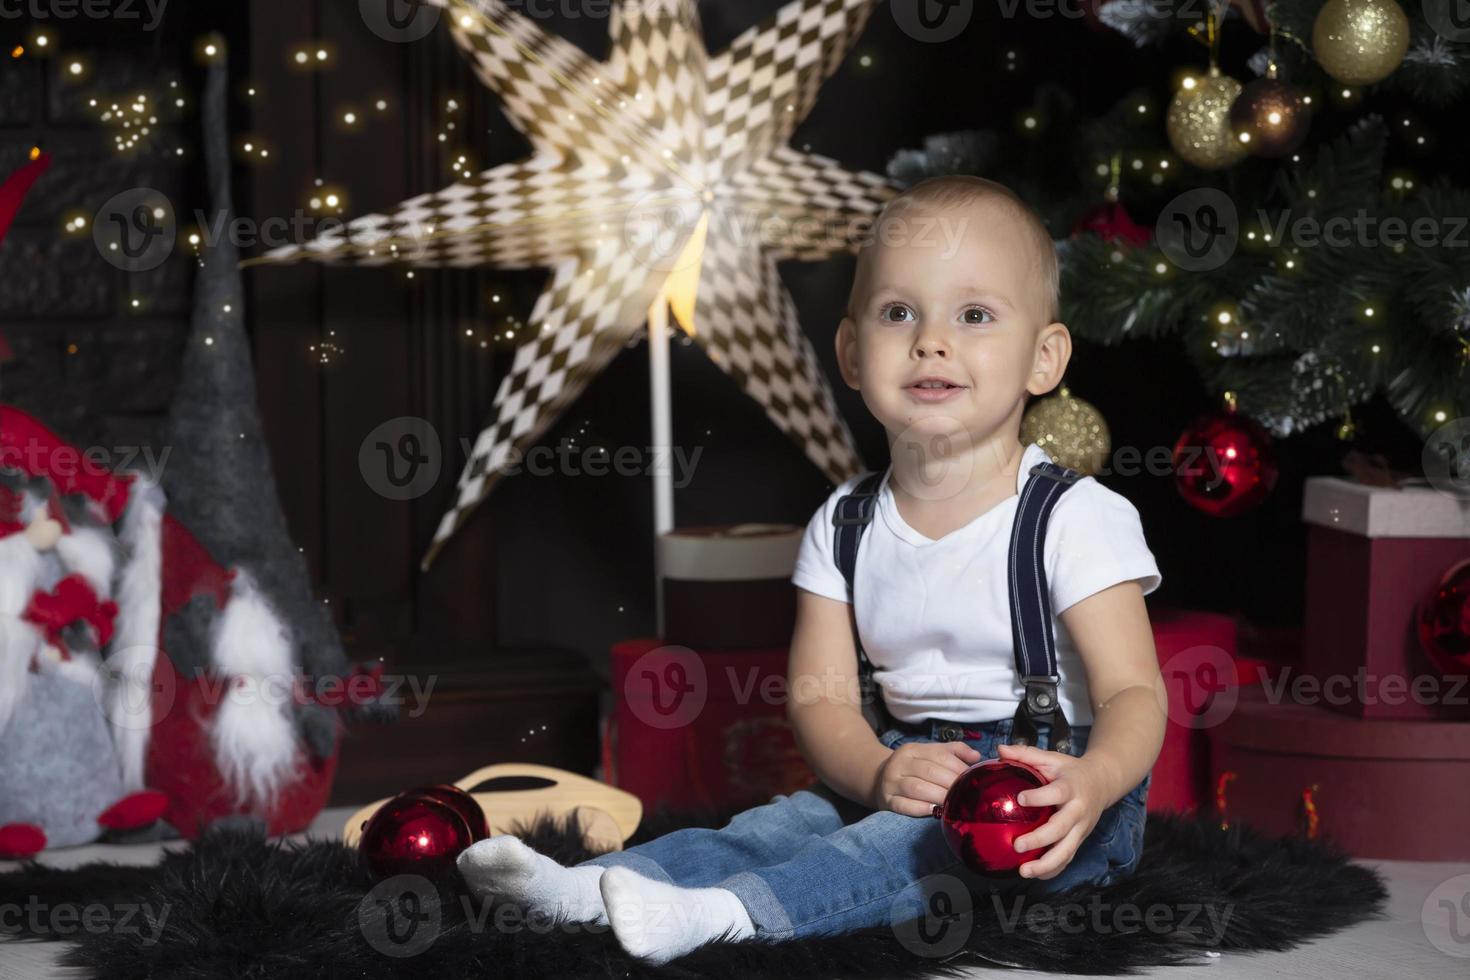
{"x": 958, "y": 190}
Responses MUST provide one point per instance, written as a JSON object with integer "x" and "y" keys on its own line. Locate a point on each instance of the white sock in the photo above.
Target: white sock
{"x": 504, "y": 865}
{"x": 658, "y": 922}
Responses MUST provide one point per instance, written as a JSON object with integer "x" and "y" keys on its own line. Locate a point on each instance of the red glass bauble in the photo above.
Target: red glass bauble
{"x": 1444, "y": 622}
{"x": 414, "y": 834}
{"x": 464, "y": 804}
{"x": 982, "y": 818}
{"x": 1224, "y": 464}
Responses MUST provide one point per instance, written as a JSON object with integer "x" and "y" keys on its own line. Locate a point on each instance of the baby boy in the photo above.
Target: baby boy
{"x": 951, "y": 326}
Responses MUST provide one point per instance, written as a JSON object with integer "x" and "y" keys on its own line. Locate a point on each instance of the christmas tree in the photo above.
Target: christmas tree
{"x": 1302, "y": 266}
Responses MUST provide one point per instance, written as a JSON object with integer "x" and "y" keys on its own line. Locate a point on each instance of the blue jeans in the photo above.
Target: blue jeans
{"x": 815, "y": 863}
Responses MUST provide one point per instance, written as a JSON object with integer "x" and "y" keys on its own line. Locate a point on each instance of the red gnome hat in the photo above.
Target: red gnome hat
{"x": 12, "y": 192}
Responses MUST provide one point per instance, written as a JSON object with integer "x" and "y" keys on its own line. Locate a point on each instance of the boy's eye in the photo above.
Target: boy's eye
{"x": 975, "y": 314}
{"x": 883, "y": 313}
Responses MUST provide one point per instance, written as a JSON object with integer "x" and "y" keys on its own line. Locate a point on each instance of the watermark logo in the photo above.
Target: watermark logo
{"x": 932, "y": 21}
{"x": 65, "y": 920}
{"x": 135, "y": 230}
{"x": 130, "y": 693}
{"x": 1446, "y": 458}
{"x": 1449, "y": 18}
{"x": 658, "y": 226}
{"x": 1201, "y": 923}
{"x": 1446, "y": 917}
{"x": 943, "y": 926}
{"x": 666, "y": 687}
{"x": 44, "y": 10}
{"x": 399, "y": 21}
{"x": 939, "y": 454}
{"x": 401, "y": 916}
{"x": 1198, "y": 230}
{"x": 1197, "y": 687}
{"x": 400, "y": 459}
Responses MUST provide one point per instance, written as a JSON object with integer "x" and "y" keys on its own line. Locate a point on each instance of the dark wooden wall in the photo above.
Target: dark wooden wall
{"x": 399, "y": 354}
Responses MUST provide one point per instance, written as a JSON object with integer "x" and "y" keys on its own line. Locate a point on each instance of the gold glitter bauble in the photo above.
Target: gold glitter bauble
{"x": 1199, "y": 122}
{"x": 1072, "y": 432}
{"x": 1359, "y": 42}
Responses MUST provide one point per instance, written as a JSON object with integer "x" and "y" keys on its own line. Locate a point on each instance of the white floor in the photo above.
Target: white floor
{"x": 1399, "y": 946}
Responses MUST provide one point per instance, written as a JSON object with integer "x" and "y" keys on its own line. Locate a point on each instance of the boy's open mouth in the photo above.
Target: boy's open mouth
{"x": 933, "y": 388}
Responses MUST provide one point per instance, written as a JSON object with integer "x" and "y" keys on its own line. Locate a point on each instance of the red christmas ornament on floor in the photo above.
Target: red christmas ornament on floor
{"x": 463, "y": 803}
{"x": 982, "y": 818}
{"x": 415, "y": 833}
{"x": 1444, "y": 622}
{"x": 1224, "y": 464}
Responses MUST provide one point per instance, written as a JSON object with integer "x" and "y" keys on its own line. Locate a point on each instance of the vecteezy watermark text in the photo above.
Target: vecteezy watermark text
{"x": 37, "y": 918}
{"x": 44, "y": 10}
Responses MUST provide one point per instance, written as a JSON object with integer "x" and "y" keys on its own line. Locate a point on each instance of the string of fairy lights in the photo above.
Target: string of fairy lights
{"x": 140, "y": 122}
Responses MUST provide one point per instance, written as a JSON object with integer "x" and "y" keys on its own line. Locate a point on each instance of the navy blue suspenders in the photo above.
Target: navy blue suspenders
{"x": 1030, "y": 601}
{"x": 850, "y": 519}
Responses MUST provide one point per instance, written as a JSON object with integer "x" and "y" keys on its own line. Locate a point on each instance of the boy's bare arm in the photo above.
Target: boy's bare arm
{"x": 823, "y": 707}
{"x": 1112, "y": 634}
{"x": 1116, "y": 643}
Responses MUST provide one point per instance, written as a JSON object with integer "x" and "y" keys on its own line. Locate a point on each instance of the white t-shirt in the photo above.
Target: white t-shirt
{"x": 934, "y": 615}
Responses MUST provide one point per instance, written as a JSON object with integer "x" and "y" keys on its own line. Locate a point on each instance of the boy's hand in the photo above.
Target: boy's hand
{"x": 917, "y": 775}
{"x": 1078, "y": 791}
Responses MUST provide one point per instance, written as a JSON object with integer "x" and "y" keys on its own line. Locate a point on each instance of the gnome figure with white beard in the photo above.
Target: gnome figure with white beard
{"x": 60, "y": 780}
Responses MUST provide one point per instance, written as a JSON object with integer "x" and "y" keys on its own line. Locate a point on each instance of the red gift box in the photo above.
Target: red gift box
{"x": 701, "y": 729}
{"x": 1202, "y": 676}
{"x": 1379, "y": 788}
{"x": 1372, "y": 555}
{"x": 707, "y": 728}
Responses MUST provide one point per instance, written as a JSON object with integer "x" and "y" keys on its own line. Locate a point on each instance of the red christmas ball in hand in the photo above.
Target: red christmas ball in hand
{"x": 414, "y": 834}
{"x": 1444, "y": 622}
{"x": 982, "y": 818}
{"x": 1224, "y": 464}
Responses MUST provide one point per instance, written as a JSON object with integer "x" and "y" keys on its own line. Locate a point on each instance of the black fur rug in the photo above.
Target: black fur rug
{"x": 237, "y": 905}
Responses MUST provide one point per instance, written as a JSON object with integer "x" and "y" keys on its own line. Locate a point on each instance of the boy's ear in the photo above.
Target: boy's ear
{"x": 847, "y": 352}
{"x": 1053, "y": 351}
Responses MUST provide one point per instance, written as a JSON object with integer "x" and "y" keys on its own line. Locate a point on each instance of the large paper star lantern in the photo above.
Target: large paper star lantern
{"x": 660, "y": 175}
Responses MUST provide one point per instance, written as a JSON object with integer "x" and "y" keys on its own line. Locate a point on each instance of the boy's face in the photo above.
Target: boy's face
{"x": 955, "y": 296}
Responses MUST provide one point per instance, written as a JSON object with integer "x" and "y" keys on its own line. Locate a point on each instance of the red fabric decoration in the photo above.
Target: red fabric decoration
{"x": 19, "y": 841}
{"x": 181, "y": 763}
{"x": 1112, "y": 223}
{"x": 71, "y": 600}
{"x": 27, "y": 445}
{"x": 189, "y": 571}
{"x": 12, "y": 192}
{"x": 134, "y": 811}
{"x": 179, "y": 760}
{"x": 359, "y": 687}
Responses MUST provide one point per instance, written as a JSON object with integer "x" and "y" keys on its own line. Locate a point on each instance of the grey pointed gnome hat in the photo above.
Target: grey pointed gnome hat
{"x": 218, "y": 476}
